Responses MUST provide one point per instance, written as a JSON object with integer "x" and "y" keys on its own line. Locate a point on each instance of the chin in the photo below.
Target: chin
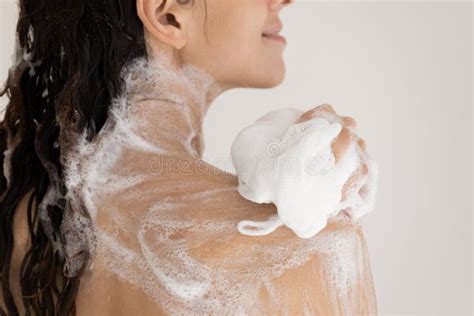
{"x": 274, "y": 78}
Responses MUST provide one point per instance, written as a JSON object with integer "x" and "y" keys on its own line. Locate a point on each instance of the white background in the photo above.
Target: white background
{"x": 403, "y": 70}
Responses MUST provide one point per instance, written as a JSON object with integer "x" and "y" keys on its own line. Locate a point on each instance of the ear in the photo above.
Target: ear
{"x": 164, "y": 20}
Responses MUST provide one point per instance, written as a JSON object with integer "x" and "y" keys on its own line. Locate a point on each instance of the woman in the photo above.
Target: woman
{"x": 107, "y": 206}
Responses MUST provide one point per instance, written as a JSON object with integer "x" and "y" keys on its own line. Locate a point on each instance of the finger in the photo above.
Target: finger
{"x": 350, "y": 183}
{"x": 318, "y": 111}
{"x": 361, "y": 181}
{"x": 349, "y": 121}
{"x": 326, "y": 108}
{"x": 306, "y": 116}
{"x": 330, "y": 133}
{"x": 355, "y": 181}
{"x": 341, "y": 143}
{"x": 365, "y": 169}
{"x": 363, "y": 191}
{"x": 346, "y": 212}
{"x": 362, "y": 144}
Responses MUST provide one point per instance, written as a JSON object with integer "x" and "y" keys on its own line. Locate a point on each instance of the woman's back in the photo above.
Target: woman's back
{"x": 175, "y": 239}
{"x": 171, "y": 245}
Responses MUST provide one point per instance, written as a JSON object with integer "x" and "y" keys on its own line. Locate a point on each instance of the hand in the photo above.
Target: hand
{"x": 340, "y": 145}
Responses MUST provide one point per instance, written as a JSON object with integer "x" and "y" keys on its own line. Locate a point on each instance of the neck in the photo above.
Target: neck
{"x": 164, "y": 105}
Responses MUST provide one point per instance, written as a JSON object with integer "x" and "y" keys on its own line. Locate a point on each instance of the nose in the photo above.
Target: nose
{"x": 279, "y": 4}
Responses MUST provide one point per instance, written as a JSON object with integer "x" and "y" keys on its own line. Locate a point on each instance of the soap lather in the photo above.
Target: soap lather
{"x": 292, "y": 165}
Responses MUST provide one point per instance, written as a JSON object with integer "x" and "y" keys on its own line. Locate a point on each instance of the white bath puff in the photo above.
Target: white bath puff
{"x": 292, "y": 166}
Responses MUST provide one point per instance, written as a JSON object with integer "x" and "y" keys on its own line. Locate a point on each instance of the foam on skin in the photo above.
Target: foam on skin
{"x": 168, "y": 235}
{"x": 292, "y": 165}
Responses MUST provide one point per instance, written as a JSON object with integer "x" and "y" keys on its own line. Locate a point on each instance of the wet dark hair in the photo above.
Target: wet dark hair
{"x": 69, "y": 57}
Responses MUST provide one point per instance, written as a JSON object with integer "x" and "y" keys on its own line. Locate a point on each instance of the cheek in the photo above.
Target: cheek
{"x": 235, "y": 51}
{"x": 234, "y": 31}
{"x": 237, "y": 41}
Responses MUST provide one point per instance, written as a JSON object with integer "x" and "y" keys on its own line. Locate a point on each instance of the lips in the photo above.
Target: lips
{"x": 273, "y": 29}
{"x": 271, "y": 33}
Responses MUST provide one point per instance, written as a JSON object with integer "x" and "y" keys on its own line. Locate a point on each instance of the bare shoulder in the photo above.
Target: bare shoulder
{"x": 187, "y": 226}
{"x": 193, "y": 219}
